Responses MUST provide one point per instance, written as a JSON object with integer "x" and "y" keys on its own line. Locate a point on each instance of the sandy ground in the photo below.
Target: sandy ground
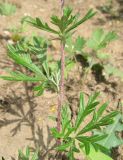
{"x": 24, "y": 118}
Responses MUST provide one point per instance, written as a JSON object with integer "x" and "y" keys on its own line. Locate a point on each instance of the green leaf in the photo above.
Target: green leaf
{"x": 66, "y": 118}
{"x": 70, "y": 65}
{"x": 87, "y": 148}
{"x": 101, "y": 110}
{"x": 40, "y": 88}
{"x": 108, "y": 117}
{"x": 93, "y": 98}
{"x": 79, "y": 44}
{"x": 100, "y": 39}
{"x": 74, "y": 137}
{"x": 76, "y": 149}
{"x": 46, "y": 69}
{"x": 55, "y": 133}
{"x": 18, "y": 76}
{"x": 89, "y": 108}
{"x": 64, "y": 146}
{"x": 70, "y": 130}
{"x": 24, "y": 60}
{"x": 70, "y": 154}
{"x": 97, "y": 155}
{"x": 40, "y": 25}
{"x": 96, "y": 123}
{"x": 65, "y": 21}
{"x": 27, "y": 155}
{"x": 92, "y": 139}
{"x": 80, "y": 112}
{"x": 112, "y": 140}
{"x": 89, "y": 14}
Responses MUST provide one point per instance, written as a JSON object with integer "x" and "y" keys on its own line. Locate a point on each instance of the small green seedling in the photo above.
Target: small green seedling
{"x": 7, "y": 9}
{"x": 27, "y": 155}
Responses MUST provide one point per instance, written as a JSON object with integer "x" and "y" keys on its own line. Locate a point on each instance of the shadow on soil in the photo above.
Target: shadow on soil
{"x": 27, "y": 118}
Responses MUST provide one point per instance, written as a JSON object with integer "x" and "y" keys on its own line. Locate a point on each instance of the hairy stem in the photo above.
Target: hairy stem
{"x": 61, "y": 92}
{"x": 62, "y": 6}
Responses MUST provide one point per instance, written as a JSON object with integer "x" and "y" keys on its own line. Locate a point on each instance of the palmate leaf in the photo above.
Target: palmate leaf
{"x": 100, "y": 39}
{"x": 40, "y": 25}
{"x": 44, "y": 73}
{"x": 66, "y": 20}
{"x": 74, "y": 136}
{"x": 112, "y": 140}
{"x": 73, "y": 47}
{"x": 66, "y": 23}
{"x": 25, "y": 60}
